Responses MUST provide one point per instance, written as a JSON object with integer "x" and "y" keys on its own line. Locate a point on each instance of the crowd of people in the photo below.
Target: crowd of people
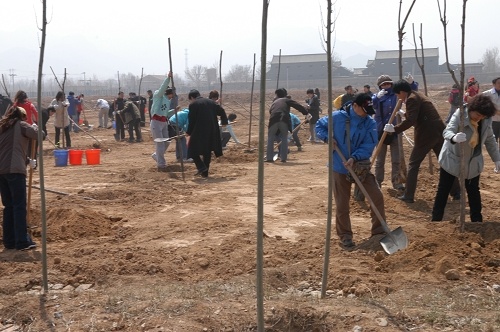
{"x": 203, "y": 129}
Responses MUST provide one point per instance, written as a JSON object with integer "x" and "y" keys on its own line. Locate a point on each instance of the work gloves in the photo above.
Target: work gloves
{"x": 497, "y": 167}
{"x": 34, "y": 126}
{"x": 381, "y": 93}
{"x": 401, "y": 112}
{"x": 389, "y": 128}
{"x": 32, "y": 163}
{"x": 409, "y": 78}
{"x": 459, "y": 138}
{"x": 309, "y": 116}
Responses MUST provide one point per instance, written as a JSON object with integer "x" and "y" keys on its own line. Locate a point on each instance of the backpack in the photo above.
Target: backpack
{"x": 454, "y": 98}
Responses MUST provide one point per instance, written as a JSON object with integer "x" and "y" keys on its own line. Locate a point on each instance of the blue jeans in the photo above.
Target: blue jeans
{"x": 13, "y": 191}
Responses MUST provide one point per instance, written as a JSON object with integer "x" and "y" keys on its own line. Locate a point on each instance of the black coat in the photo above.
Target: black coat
{"x": 203, "y": 127}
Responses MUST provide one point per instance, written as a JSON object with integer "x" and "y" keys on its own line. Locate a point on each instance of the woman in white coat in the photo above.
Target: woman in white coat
{"x": 61, "y": 118}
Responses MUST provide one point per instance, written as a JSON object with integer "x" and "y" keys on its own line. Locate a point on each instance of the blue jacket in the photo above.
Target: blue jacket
{"x": 385, "y": 105}
{"x": 182, "y": 117}
{"x": 72, "y": 105}
{"x": 363, "y": 136}
{"x": 295, "y": 120}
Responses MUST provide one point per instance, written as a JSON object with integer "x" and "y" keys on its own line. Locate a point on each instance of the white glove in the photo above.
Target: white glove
{"x": 409, "y": 78}
{"x": 381, "y": 93}
{"x": 459, "y": 138}
{"x": 401, "y": 112}
{"x": 389, "y": 128}
{"x": 497, "y": 167}
{"x": 114, "y": 112}
{"x": 309, "y": 116}
{"x": 34, "y": 126}
{"x": 32, "y": 163}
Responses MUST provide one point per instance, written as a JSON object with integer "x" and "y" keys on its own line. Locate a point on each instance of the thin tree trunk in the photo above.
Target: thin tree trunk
{"x": 251, "y": 103}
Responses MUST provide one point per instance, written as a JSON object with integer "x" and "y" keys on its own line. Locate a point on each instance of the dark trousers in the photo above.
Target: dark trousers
{"x": 120, "y": 127}
{"x": 134, "y": 125}
{"x": 66, "y": 135}
{"x": 202, "y": 165}
{"x": 446, "y": 181}
{"x": 417, "y": 155}
{"x": 13, "y": 192}
{"x": 225, "y": 137}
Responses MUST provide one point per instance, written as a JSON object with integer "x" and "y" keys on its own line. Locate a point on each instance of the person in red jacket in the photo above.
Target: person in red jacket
{"x": 21, "y": 100}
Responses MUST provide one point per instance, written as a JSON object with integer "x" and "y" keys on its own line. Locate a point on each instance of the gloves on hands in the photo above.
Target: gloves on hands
{"x": 381, "y": 93}
{"x": 34, "y": 126}
{"x": 459, "y": 138}
{"x": 32, "y": 163}
{"x": 389, "y": 128}
{"x": 309, "y": 116}
{"x": 409, "y": 78}
{"x": 497, "y": 167}
{"x": 401, "y": 112}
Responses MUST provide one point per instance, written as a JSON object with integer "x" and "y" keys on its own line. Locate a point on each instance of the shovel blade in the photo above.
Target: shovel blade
{"x": 161, "y": 139}
{"x": 117, "y": 137}
{"x": 275, "y": 157}
{"x": 394, "y": 241}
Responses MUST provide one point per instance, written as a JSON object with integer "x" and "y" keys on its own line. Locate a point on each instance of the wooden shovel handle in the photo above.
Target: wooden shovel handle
{"x": 30, "y": 181}
{"x": 384, "y": 135}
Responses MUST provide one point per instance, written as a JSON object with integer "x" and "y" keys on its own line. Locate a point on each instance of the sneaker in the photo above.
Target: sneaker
{"x": 189, "y": 160}
{"x": 139, "y": 140}
{"x": 318, "y": 141}
{"x": 30, "y": 246}
{"x": 399, "y": 187}
{"x": 153, "y": 155}
{"x": 299, "y": 148}
{"x": 309, "y": 139}
{"x": 162, "y": 169}
{"x": 203, "y": 171}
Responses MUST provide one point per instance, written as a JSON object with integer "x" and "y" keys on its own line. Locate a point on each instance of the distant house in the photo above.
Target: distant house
{"x": 387, "y": 62}
{"x": 304, "y": 67}
{"x": 470, "y": 68}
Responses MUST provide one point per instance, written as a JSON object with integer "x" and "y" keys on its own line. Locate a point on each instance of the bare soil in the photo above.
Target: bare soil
{"x": 132, "y": 249}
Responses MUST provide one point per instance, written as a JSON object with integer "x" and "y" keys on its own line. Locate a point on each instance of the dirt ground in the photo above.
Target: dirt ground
{"x": 132, "y": 249}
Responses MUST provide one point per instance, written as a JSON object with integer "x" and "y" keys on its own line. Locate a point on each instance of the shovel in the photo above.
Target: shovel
{"x": 394, "y": 240}
{"x": 167, "y": 139}
{"x": 275, "y": 157}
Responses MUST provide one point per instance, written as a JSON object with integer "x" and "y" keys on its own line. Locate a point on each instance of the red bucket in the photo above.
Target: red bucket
{"x": 93, "y": 156}
{"x": 75, "y": 157}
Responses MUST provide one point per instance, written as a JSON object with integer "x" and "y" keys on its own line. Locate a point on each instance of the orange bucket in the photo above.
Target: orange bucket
{"x": 93, "y": 156}
{"x": 75, "y": 157}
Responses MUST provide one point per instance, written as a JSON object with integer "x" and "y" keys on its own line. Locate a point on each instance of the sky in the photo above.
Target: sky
{"x": 95, "y": 39}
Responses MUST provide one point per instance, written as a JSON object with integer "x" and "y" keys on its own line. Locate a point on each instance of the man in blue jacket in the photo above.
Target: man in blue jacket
{"x": 72, "y": 111}
{"x": 355, "y": 134}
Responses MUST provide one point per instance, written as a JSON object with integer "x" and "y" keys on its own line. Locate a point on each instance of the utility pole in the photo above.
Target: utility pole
{"x": 12, "y": 75}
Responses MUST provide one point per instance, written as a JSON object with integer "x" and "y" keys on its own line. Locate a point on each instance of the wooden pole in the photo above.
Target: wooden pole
{"x": 177, "y": 142}
{"x": 279, "y": 69}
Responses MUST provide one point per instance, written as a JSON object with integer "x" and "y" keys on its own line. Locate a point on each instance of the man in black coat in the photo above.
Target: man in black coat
{"x": 203, "y": 131}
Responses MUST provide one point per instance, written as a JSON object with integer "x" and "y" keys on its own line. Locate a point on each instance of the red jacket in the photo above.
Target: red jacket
{"x": 31, "y": 112}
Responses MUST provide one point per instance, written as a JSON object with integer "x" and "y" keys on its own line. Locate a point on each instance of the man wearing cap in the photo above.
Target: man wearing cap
{"x": 356, "y": 123}
{"x": 428, "y": 125}
{"x": 384, "y": 103}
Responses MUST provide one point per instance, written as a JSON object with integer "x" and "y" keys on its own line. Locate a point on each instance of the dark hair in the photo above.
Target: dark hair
{"x": 20, "y": 97}
{"x": 309, "y": 91}
{"x": 483, "y": 105}
{"x": 193, "y": 94}
{"x": 231, "y": 117}
{"x": 455, "y": 86}
{"x": 348, "y": 87}
{"x": 401, "y": 85}
{"x": 149, "y": 91}
{"x": 59, "y": 96}
{"x": 366, "y": 86}
{"x": 13, "y": 115}
{"x": 214, "y": 94}
{"x": 120, "y": 93}
{"x": 71, "y": 93}
{"x": 281, "y": 93}
{"x": 169, "y": 91}
{"x": 495, "y": 80}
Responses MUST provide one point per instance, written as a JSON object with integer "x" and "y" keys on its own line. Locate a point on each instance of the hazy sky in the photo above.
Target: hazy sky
{"x": 101, "y": 37}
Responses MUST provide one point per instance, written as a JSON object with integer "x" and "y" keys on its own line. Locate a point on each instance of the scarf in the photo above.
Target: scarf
{"x": 474, "y": 140}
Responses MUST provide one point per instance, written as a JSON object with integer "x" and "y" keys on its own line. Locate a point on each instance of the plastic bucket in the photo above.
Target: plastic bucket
{"x": 93, "y": 156}
{"x": 75, "y": 157}
{"x": 61, "y": 157}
